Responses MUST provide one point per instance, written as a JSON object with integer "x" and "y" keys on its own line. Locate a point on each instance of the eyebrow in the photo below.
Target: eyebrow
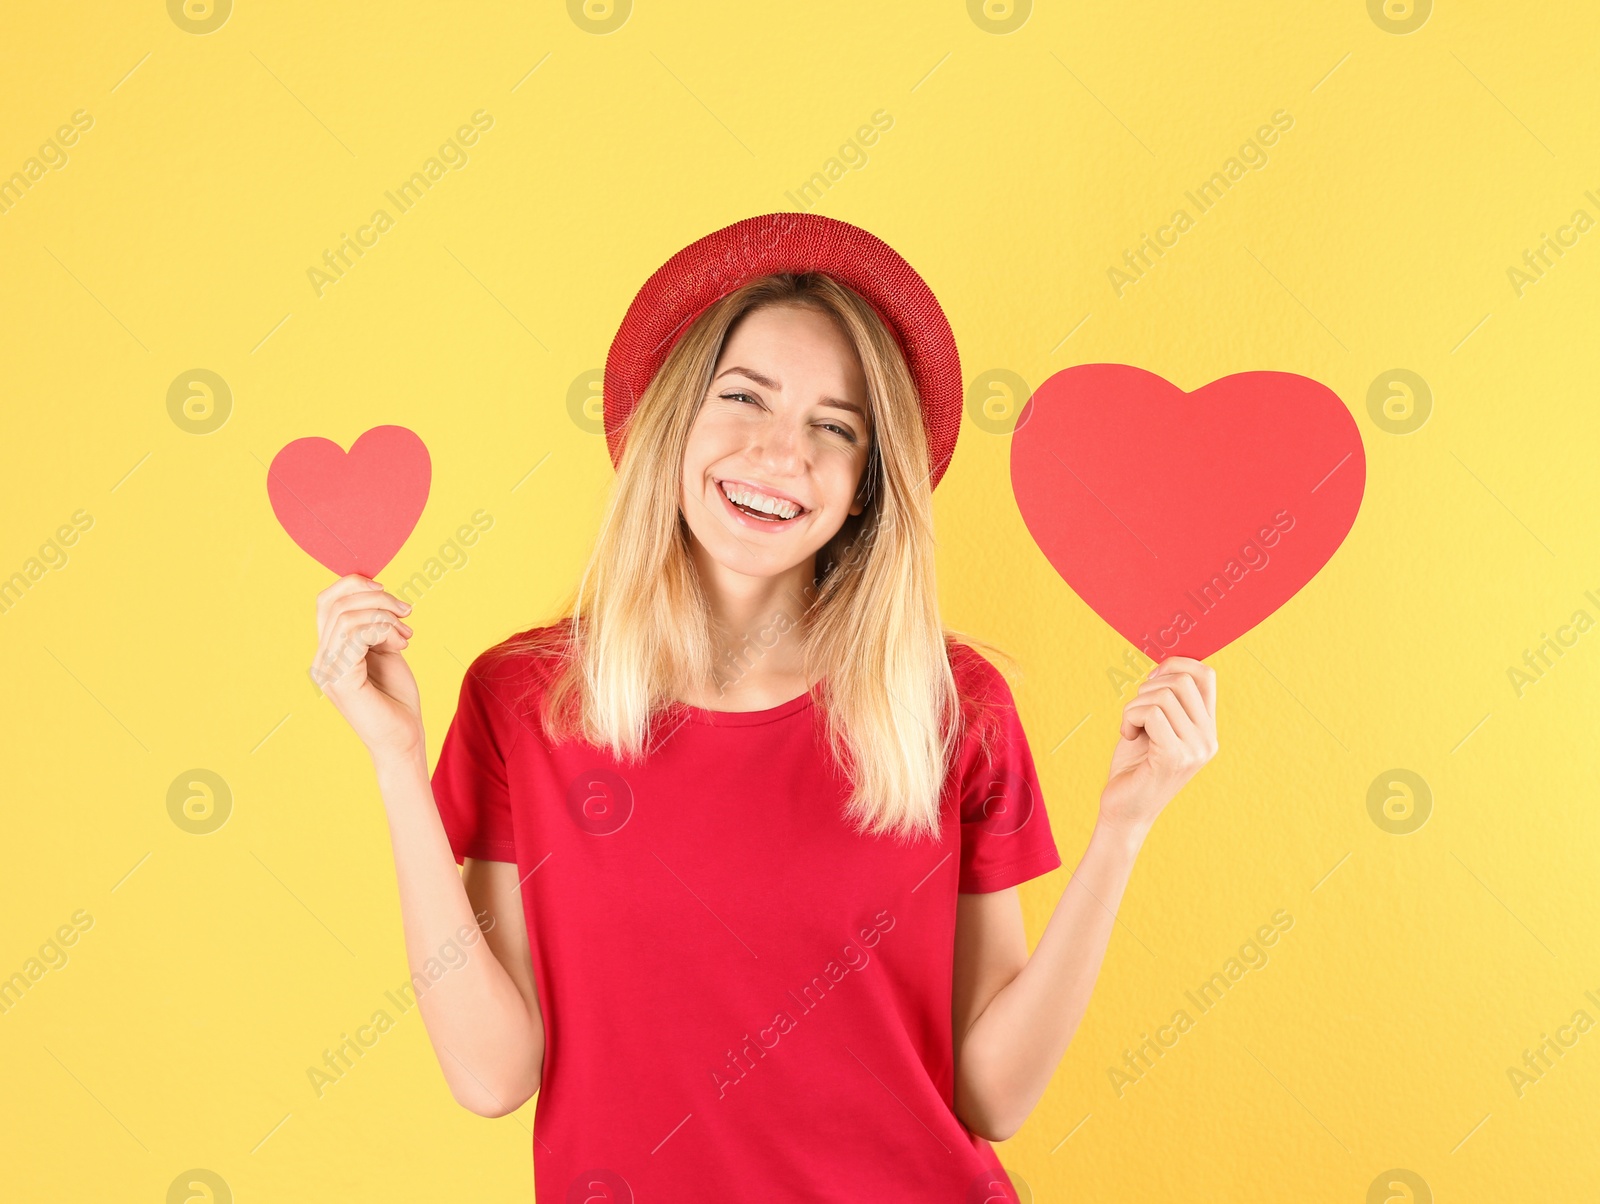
{"x": 767, "y": 383}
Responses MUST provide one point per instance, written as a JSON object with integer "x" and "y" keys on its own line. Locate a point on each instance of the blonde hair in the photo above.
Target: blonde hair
{"x": 636, "y": 633}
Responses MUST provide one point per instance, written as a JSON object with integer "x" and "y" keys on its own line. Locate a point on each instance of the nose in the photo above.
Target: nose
{"x": 779, "y": 447}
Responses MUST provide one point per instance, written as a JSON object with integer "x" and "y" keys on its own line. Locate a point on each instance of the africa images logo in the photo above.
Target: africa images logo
{"x": 740, "y": 1062}
{"x": 452, "y": 155}
{"x": 1252, "y": 557}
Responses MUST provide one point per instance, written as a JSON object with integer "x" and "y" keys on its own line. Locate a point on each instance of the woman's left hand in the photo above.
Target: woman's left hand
{"x": 1169, "y": 730}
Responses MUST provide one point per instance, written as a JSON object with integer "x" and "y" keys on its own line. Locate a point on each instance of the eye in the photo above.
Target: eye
{"x": 843, "y": 431}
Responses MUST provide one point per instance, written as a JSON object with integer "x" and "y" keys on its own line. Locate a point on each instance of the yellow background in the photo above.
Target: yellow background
{"x": 1018, "y": 168}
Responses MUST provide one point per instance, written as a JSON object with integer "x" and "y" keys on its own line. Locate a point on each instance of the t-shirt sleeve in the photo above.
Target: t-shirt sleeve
{"x": 470, "y": 783}
{"x": 1005, "y": 831}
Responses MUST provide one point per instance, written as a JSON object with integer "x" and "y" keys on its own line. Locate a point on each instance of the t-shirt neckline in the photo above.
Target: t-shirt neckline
{"x": 749, "y": 718}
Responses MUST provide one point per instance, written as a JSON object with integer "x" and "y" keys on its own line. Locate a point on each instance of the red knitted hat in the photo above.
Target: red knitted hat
{"x": 714, "y": 266}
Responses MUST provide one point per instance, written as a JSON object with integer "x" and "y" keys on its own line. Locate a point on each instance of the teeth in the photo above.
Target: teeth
{"x": 759, "y": 501}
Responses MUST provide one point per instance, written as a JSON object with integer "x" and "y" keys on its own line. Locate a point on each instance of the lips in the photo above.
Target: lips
{"x": 752, "y": 521}
{"x": 765, "y": 490}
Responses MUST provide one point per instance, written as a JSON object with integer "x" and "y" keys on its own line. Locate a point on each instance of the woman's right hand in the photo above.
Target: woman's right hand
{"x": 359, "y": 667}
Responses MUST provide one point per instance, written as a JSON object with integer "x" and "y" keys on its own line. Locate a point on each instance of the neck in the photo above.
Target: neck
{"x": 756, "y": 621}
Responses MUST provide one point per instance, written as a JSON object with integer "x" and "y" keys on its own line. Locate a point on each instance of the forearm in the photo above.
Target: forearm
{"x": 1007, "y": 1057}
{"x": 488, "y": 1046}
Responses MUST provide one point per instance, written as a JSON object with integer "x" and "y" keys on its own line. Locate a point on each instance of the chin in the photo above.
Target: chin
{"x": 740, "y": 560}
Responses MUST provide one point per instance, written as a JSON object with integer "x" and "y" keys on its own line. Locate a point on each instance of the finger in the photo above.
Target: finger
{"x": 1129, "y": 729}
{"x": 350, "y": 638}
{"x": 1186, "y": 663}
{"x": 1132, "y": 710}
{"x": 373, "y": 599}
{"x": 349, "y": 584}
{"x": 395, "y": 641}
{"x": 1165, "y": 699}
{"x": 1206, "y": 678}
{"x": 1204, "y": 675}
{"x": 384, "y": 620}
{"x": 366, "y": 600}
{"x": 1188, "y": 691}
{"x": 1157, "y": 724}
{"x": 1140, "y": 705}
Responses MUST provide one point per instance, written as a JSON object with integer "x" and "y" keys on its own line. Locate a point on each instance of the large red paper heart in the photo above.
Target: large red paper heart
{"x": 1184, "y": 519}
{"x": 351, "y": 512}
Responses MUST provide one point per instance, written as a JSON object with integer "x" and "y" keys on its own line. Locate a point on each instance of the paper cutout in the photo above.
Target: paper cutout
{"x": 351, "y": 512}
{"x": 1185, "y": 519}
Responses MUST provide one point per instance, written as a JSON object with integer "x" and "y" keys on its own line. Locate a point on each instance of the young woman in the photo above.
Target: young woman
{"x": 742, "y": 829}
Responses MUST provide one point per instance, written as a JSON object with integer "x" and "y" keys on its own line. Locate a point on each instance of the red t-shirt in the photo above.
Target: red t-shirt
{"x": 743, "y": 998}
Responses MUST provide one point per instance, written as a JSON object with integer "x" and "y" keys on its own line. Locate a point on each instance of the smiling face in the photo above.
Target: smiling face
{"x": 785, "y": 427}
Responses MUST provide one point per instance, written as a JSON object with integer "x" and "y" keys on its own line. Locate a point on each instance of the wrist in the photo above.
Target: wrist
{"x": 1128, "y": 834}
{"x": 401, "y": 763}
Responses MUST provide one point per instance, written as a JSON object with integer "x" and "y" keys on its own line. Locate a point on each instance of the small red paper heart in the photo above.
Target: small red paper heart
{"x": 351, "y": 512}
{"x": 1185, "y": 519}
